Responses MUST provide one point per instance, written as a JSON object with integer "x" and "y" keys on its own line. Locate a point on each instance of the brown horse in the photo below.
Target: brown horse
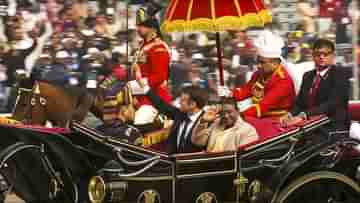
{"x": 48, "y": 102}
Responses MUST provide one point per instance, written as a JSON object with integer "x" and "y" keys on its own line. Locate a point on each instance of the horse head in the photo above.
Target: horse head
{"x": 36, "y": 112}
{"x": 21, "y": 104}
{"x": 30, "y": 106}
{"x": 44, "y": 102}
{"x": 50, "y": 102}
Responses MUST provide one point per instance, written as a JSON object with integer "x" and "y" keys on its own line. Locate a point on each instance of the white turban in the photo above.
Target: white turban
{"x": 269, "y": 45}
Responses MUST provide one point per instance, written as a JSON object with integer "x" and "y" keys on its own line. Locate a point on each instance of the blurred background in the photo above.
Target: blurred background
{"x": 78, "y": 35}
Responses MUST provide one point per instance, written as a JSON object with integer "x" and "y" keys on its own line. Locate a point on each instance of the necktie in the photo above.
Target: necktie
{"x": 182, "y": 140}
{"x": 314, "y": 90}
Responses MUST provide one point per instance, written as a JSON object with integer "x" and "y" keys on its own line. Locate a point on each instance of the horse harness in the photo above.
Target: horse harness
{"x": 35, "y": 91}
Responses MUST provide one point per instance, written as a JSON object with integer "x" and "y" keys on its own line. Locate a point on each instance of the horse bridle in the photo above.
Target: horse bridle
{"x": 43, "y": 102}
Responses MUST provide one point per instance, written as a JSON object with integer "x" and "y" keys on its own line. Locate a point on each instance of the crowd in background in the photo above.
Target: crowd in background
{"x": 81, "y": 35}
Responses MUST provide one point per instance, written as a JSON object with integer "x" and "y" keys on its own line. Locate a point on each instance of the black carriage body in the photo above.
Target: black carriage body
{"x": 255, "y": 173}
{"x": 42, "y": 165}
{"x": 129, "y": 173}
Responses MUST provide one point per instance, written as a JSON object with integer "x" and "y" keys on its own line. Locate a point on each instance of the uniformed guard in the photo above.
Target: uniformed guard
{"x": 270, "y": 92}
{"x": 152, "y": 60}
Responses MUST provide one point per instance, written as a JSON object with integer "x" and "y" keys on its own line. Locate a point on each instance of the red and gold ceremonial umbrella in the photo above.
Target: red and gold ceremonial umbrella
{"x": 215, "y": 16}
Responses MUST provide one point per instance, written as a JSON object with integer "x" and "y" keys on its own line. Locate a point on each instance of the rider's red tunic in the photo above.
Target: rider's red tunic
{"x": 154, "y": 61}
{"x": 271, "y": 97}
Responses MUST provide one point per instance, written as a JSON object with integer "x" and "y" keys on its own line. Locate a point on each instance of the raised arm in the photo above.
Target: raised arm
{"x": 163, "y": 107}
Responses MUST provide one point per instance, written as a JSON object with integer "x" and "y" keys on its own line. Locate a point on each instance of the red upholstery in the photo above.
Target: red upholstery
{"x": 49, "y": 130}
{"x": 268, "y": 128}
{"x": 354, "y": 109}
{"x": 42, "y": 128}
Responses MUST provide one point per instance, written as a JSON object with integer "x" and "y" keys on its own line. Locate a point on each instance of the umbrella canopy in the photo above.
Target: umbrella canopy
{"x": 214, "y": 15}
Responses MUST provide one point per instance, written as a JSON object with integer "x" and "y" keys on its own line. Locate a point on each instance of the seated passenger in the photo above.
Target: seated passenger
{"x": 227, "y": 133}
{"x": 120, "y": 129}
{"x": 324, "y": 90}
{"x": 270, "y": 92}
{"x": 185, "y": 118}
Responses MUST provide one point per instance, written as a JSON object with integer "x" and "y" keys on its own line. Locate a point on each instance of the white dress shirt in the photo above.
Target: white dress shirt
{"x": 323, "y": 72}
{"x": 193, "y": 119}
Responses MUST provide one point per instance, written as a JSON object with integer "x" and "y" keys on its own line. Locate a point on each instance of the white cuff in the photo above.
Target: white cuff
{"x": 137, "y": 89}
{"x": 244, "y": 104}
{"x": 146, "y": 89}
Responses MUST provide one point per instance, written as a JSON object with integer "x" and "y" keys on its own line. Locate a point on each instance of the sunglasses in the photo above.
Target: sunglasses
{"x": 317, "y": 53}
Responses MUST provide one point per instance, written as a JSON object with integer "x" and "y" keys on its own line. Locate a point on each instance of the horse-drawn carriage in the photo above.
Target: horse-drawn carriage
{"x": 286, "y": 165}
{"x": 306, "y": 163}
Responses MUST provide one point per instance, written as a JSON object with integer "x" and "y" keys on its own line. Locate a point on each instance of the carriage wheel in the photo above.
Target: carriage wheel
{"x": 4, "y": 187}
{"x": 321, "y": 187}
{"x": 68, "y": 193}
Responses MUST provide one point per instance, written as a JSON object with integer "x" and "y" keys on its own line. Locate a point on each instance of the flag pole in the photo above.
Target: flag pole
{"x": 219, "y": 55}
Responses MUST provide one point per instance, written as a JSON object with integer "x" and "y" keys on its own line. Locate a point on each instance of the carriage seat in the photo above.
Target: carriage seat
{"x": 269, "y": 130}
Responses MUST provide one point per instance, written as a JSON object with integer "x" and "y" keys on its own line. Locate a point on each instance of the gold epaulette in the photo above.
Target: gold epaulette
{"x": 8, "y": 121}
{"x": 280, "y": 72}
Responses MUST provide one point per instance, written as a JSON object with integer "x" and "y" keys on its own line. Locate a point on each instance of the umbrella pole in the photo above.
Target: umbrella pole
{"x": 127, "y": 34}
{"x": 219, "y": 55}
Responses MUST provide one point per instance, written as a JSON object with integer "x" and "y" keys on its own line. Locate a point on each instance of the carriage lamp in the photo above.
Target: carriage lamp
{"x": 149, "y": 195}
{"x": 108, "y": 187}
{"x": 97, "y": 189}
{"x": 100, "y": 190}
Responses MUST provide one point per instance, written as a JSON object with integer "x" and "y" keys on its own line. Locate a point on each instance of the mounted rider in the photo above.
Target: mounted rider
{"x": 152, "y": 59}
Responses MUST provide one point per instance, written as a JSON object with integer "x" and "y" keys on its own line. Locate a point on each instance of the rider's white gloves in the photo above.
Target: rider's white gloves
{"x": 137, "y": 89}
{"x": 224, "y": 91}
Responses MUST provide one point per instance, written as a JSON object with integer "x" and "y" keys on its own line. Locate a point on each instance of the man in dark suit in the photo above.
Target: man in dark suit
{"x": 186, "y": 117}
{"x": 324, "y": 90}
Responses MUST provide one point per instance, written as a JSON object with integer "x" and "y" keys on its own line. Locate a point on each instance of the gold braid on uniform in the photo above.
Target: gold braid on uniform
{"x": 108, "y": 82}
{"x": 8, "y": 121}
